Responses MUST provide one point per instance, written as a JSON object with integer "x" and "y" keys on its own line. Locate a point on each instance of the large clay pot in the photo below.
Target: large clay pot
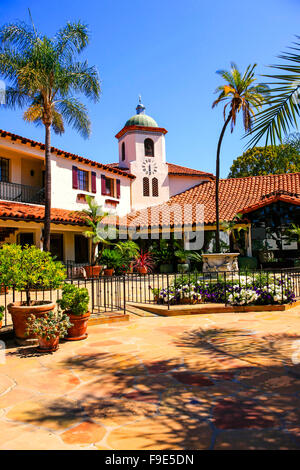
{"x": 108, "y": 271}
{"x": 78, "y": 330}
{"x": 20, "y": 313}
{"x": 49, "y": 345}
{"x": 93, "y": 271}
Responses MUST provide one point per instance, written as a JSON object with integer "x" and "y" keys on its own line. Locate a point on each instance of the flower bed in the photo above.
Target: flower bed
{"x": 243, "y": 292}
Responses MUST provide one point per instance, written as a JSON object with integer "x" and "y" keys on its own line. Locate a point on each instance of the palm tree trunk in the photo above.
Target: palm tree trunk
{"x": 47, "y": 220}
{"x": 218, "y": 250}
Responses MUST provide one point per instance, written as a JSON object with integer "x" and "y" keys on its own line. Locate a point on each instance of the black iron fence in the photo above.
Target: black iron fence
{"x": 21, "y": 193}
{"x": 111, "y": 293}
{"x": 277, "y": 286}
{"x": 107, "y": 295}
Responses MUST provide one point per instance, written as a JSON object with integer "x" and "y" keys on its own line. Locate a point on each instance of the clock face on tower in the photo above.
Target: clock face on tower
{"x": 149, "y": 166}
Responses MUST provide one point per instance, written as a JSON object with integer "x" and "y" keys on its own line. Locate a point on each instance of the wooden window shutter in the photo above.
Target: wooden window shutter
{"x": 118, "y": 189}
{"x": 103, "y": 187}
{"x": 146, "y": 189}
{"x": 155, "y": 187}
{"x": 94, "y": 190}
{"x": 75, "y": 177}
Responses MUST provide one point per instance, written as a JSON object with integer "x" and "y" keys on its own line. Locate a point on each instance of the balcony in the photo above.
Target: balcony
{"x": 21, "y": 193}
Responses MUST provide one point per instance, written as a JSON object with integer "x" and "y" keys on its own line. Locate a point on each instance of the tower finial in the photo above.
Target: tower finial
{"x": 140, "y": 109}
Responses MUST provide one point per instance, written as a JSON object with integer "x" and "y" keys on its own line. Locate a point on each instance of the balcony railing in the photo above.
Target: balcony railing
{"x": 21, "y": 193}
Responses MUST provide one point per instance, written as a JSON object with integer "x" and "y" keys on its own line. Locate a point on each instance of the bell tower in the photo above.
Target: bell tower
{"x": 142, "y": 151}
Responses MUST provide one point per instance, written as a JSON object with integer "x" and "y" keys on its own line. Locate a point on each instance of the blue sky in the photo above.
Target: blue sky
{"x": 168, "y": 51}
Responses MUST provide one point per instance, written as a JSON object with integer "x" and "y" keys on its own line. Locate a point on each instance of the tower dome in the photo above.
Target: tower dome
{"x": 140, "y": 118}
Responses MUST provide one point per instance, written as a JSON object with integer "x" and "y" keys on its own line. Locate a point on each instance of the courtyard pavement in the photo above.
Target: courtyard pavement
{"x": 223, "y": 381}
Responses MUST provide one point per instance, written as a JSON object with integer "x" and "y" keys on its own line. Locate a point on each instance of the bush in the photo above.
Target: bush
{"x": 247, "y": 262}
{"x": 2, "y": 308}
{"x": 29, "y": 269}
{"x": 74, "y": 299}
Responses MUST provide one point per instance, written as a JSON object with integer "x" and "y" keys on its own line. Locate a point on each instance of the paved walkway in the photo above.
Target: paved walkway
{"x": 224, "y": 381}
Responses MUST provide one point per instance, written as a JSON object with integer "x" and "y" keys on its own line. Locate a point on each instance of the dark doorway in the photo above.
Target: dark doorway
{"x": 81, "y": 249}
{"x": 25, "y": 239}
{"x": 57, "y": 246}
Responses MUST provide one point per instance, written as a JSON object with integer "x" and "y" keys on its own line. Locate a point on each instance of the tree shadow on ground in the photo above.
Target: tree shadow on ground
{"x": 221, "y": 395}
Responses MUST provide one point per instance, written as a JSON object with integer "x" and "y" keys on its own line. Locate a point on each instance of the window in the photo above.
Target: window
{"x": 109, "y": 187}
{"x": 149, "y": 148}
{"x": 83, "y": 180}
{"x": 146, "y": 189}
{"x": 155, "y": 187}
{"x": 123, "y": 152}
{"x": 4, "y": 169}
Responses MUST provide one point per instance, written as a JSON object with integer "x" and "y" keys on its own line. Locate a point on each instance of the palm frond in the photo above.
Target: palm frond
{"x": 72, "y": 38}
{"x": 283, "y": 101}
{"x": 75, "y": 114}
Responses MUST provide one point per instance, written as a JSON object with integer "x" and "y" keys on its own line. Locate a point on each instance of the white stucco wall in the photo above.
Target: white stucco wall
{"x": 24, "y": 158}
{"x": 134, "y": 159}
{"x": 65, "y": 197}
{"x": 178, "y": 183}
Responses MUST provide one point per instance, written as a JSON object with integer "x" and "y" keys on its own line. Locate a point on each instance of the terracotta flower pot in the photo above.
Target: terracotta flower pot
{"x": 20, "y": 313}
{"x": 143, "y": 270}
{"x": 78, "y": 330}
{"x": 0, "y": 324}
{"x": 49, "y": 345}
{"x": 108, "y": 271}
{"x": 93, "y": 271}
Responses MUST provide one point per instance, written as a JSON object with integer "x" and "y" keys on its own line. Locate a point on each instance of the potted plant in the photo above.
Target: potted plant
{"x": 93, "y": 217}
{"x": 130, "y": 251}
{"x": 27, "y": 269}
{"x": 75, "y": 304}
{"x": 112, "y": 259}
{"x": 182, "y": 258}
{"x": 163, "y": 253}
{"x": 144, "y": 262}
{"x": 2, "y": 308}
{"x": 48, "y": 329}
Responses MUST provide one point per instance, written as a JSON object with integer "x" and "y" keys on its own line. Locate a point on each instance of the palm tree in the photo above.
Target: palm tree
{"x": 93, "y": 216}
{"x": 283, "y": 101}
{"x": 43, "y": 75}
{"x": 241, "y": 95}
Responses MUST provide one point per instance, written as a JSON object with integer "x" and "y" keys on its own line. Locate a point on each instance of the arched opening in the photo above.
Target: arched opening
{"x": 155, "y": 187}
{"x": 149, "y": 148}
{"x": 123, "y": 151}
{"x": 146, "y": 188}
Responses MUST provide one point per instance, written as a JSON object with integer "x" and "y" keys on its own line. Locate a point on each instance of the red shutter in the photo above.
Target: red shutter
{"x": 103, "y": 187}
{"x": 75, "y": 177}
{"x": 94, "y": 190}
{"x": 118, "y": 189}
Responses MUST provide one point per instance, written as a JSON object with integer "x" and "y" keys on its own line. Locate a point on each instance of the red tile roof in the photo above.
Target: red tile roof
{"x": 64, "y": 154}
{"x": 176, "y": 170}
{"x": 34, "y": 213}
{"x": 236, "y": 195}
{"x": 184, "y": 171}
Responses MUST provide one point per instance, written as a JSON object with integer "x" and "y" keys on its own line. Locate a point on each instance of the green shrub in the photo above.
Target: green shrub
{"x": 48, "y": 326}
{"x": 247, "y": 262}
{"x": 113, "y": 259}
{"x": 74, "y": 299}
{"x": 2, "y": 308}
{"x": 29, "y": 268}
